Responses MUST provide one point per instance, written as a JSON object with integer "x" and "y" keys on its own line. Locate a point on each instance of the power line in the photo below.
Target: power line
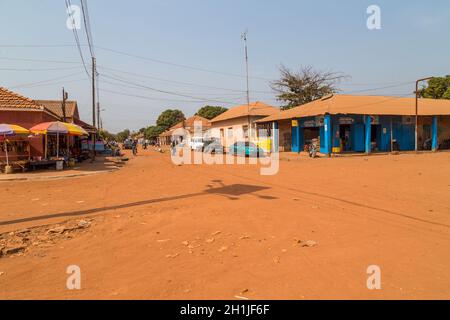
{"x": 167, "y": 92}
{"x": 75, "y": 33}
{"x": 155, "y": 98}
{"x": 179, "y": 65}
{"x": 38, "y": 69}
{"x": 87, "y": 27}
{"x": 140, "y": 88}
{"x": 44, "y": 81}
{"x": 179, "y": 82}
{"x": 216, "y": 93}
{"x": 49, "y": 84}
{"x": 381, "y": 88}
{"x": 38, "y": 60}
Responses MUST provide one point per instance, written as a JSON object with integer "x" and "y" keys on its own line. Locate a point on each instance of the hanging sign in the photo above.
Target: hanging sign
{"x": 408, "y": 120}
{"x": 320, "y": 121}
{"x": 375, "y": 119}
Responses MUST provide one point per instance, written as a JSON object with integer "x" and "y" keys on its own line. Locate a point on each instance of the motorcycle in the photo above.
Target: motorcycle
{"x": 312, "y": 149}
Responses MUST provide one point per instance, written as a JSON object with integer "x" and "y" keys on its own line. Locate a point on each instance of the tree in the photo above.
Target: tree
{"x": 105, "y": 135}
{"x": 169, "y": 118}
{"x": 152, "y": 132}
{"x": 123, "y": 135}
{"x": 297, "y": 88}
{"x": 437, "y": 88}
{"x": 210, "y": 112}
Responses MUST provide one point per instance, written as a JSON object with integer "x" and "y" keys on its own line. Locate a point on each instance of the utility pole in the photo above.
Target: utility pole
{"x": 98, "y": 116}
{"x": 65, "y": 96}
{"x": 244, "y": 37}
{"x": 417, "y": 113}
{"x": 94, "y": 138}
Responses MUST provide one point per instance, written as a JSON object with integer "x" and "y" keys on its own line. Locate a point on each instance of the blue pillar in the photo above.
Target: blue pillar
{"x": 434, "y": 134}
{"x": 368, "y": 134}
{"x": 327, "y": 134}
{"x": 276, "y": 137}
{"x": 294, "y": 139}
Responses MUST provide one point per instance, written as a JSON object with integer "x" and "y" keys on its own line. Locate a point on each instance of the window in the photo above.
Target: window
{"x": 245, "y": 129}
{"x": 230, "y": 132}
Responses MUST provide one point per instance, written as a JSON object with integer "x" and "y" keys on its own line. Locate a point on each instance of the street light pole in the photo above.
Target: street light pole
{"x": 416, "y": 148}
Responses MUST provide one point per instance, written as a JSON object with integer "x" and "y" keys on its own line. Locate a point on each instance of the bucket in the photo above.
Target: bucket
{"x": 8, "y": 169}
{"x": 59, "y": 165}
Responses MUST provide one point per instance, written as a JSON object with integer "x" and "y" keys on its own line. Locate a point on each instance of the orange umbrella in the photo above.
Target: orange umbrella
{"x": 58, "y": 127}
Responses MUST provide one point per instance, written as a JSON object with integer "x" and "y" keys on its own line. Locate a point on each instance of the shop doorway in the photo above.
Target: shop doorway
{"x": 375, "y": 138}
{"x": 310, "y": 134}
{"x": 345, "y": 133}
{"x": 425, "y": 141}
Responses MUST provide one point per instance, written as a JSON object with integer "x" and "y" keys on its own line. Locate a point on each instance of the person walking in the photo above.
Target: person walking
{"x": 134, "y": 147}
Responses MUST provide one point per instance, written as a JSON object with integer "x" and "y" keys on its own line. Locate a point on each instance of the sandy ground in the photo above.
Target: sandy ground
{"x": 160, "y": 231}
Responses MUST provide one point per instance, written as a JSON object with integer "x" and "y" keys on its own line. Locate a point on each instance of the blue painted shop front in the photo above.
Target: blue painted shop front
{"x": 355, "y": 133}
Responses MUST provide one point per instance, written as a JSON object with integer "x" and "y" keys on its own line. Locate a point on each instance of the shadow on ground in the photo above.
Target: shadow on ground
{"x": 232, "y": 192}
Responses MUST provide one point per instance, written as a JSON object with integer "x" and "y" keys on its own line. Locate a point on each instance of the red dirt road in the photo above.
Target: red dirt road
{"x": 162, "y": 231}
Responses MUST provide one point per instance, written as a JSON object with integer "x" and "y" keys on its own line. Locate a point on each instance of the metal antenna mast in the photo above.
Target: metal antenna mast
{"x": 244, "y": 37}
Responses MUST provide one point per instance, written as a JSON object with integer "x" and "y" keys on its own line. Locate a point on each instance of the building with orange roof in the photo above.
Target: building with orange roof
{"x": 239, "y": 122}
{"x": 189, "y": 125}
{"x": 26, "y": 112}
{"x": 22, "y": 111}
{"x": 349, "y": 123}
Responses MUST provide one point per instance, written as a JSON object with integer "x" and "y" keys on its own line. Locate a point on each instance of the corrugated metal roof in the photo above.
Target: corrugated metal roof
{"x": 370, "y": 105}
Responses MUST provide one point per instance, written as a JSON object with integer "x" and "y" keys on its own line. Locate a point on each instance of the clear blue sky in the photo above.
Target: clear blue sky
{"x": 329, "y": 35}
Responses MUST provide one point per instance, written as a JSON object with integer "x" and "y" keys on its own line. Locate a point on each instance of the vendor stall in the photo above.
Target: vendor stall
{"x": 17, "y": 147}
{"x": 59, "y": 138}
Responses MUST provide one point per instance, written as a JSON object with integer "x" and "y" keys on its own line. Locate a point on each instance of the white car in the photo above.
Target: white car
{"x": 196, "y": 144}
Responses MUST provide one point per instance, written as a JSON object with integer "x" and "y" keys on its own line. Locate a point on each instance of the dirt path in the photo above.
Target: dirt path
{"x": 160, "y": 231}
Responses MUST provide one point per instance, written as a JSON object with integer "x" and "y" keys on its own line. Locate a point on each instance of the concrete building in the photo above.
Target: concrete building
{"x": 347, "y": 123}
{"x": 25, "y": 112}
{"x": 239, "y": 123}
{"x": 166, "y": 137}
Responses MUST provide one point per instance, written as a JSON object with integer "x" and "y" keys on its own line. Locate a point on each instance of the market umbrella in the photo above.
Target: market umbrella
{"x": 58, "y": 128}
{"x": 11, "y": 130}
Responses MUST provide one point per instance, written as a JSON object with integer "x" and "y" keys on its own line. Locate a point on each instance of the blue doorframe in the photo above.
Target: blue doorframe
{"x": 368, "y": 144}
{"x": 434, "y": 134}
{"x": 295, "y": 137}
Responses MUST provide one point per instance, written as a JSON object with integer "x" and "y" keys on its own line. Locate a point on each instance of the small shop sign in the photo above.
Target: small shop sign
{"x": 295, "y": 123}
{"x": 310, "y": 124}
{"x": 346, "y": 120}
{"x": 316, "y": 122}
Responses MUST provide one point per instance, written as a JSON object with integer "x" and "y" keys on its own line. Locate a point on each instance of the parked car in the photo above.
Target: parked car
{"x": 249, "y": 149}
{"x": 127, "y": 144}
{"x": 196, "y": 143}
{"x": 213, "y": 147}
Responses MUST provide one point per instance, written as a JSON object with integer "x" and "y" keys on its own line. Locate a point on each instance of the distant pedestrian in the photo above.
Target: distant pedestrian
{"x": 134, "y": 147}
{"x": 173, "y": 148}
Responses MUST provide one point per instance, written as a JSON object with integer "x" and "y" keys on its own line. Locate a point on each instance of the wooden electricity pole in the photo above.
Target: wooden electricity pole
{"x": 94, "y": 138}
